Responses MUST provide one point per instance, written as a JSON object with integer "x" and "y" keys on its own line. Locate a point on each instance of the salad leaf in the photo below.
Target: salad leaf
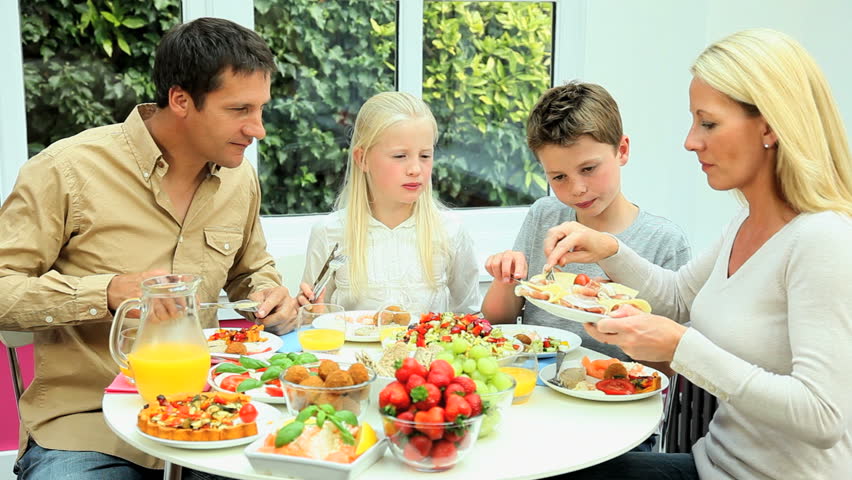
{"x": 248, "y": 384}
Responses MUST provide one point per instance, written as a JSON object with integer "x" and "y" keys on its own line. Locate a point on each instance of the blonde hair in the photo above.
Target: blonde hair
{"x": 378, "y": 114}
{"x": 772, "y": 75}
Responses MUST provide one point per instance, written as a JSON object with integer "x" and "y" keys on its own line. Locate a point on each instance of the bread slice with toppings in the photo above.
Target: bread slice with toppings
{"x": 200, "y": 417}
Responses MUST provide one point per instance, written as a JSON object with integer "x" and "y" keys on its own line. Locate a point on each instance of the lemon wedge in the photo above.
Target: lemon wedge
{"x": 366, "y": 438}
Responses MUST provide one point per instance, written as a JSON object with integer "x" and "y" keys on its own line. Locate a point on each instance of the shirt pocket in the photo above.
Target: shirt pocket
{"x": 221, "y": 245}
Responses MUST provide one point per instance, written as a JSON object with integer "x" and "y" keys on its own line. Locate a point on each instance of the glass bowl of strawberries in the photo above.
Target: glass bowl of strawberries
{"x": 431, "y": 418}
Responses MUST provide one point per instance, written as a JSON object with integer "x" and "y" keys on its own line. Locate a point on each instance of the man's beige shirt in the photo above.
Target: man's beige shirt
{"x": 92, "y": 206}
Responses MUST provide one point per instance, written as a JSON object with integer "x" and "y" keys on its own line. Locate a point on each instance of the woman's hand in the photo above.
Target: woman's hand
{"x": 507, "y": 266}
{"x": 306, "y": 292}
{"x": 641, "y": 335}
{"x": 573, "y": 242}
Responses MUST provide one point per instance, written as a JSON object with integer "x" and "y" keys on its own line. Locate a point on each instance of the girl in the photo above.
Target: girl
{"x": 403, "y": 245}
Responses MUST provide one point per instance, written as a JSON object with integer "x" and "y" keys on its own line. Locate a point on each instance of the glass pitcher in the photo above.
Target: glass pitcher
{"x": 170, "y": 354}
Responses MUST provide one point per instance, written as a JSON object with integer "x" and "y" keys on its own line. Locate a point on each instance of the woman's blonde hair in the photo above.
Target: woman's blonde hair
{"x": 771, "y": 74}
{"x": 378, "y": 114}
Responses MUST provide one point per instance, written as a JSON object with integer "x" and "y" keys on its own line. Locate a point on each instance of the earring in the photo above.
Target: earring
{"x": 766, "y": 146}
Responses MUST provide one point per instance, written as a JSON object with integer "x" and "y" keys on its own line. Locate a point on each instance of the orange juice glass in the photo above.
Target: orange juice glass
{"x": 523, "y": 367}
{"x": 169, "y": 368}
{"x": 321, "y": 327}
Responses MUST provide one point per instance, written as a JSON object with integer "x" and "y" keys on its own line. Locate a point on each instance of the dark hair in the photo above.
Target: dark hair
{"x": 565, "y": 113}
{"x": 194, "y": 55}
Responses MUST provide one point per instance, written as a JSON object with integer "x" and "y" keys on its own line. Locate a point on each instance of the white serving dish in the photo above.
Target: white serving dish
{"x": 307, "y": 468}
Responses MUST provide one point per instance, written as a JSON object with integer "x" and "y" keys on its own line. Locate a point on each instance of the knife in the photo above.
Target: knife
{"x": 325, "y": 267}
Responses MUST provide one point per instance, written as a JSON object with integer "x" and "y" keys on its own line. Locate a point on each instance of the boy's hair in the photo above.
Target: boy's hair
{"x": 567, "y": 112}
{"x": 379, "y": 113}
{"x": 194, "y": 55}
{"x": 770, "y": 74}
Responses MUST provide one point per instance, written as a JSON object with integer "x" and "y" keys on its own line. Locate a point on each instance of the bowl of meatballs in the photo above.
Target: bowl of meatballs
{"x": 344, "y": 386}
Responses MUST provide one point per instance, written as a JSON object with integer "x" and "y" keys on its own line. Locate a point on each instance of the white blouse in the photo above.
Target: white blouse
{"x": 394, "y": 272}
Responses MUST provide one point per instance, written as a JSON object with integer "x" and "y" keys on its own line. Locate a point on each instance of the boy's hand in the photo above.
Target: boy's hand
{"x": 507, "y": 266}
{"x": 572, "y": 242}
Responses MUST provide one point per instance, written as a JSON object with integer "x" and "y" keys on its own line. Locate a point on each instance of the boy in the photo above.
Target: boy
{"x": 575, "y": 132}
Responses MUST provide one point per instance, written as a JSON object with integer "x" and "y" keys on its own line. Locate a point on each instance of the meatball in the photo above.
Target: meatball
{"x": 311, "y": 381}
{"x": 326, "y": 367}
{"x": 237, "y": 348}
{"x": 296, "y": 374}
{"x": 359, "y": 373}
{"x": 338, "y": 378}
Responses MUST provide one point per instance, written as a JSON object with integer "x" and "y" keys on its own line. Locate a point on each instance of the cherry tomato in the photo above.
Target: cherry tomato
{"x": 616, "y": 386}
{"x": 581, "y": 279}
{"x": 248, "y": 413}
{"x": 230, "y": 382}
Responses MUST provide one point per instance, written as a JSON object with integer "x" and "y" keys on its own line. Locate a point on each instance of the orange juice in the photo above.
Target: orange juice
{"x": 526, "y": 382}
{"x": 127, "y": 373}
{"x": 169, "y": 368}
{"x": 321, "y": 339}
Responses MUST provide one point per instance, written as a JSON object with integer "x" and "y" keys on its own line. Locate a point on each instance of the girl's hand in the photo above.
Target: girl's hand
{"x": 306, "y": 292}
{"x": 641, "y": 335}
{"x": 572, "y": 242}
{"x": 507, "y": 266}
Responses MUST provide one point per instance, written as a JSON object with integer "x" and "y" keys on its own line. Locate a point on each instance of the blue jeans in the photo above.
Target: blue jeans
{"x": 44, "y": 464}
{"x": 640, "y": 466}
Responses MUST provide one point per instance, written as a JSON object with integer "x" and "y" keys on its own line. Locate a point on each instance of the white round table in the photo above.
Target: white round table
{"x": 550, "y": 434}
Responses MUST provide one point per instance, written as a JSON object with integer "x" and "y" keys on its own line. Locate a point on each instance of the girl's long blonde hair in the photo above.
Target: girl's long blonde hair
{"x": 771, "y": 72}
{"x": 376, "y": 115}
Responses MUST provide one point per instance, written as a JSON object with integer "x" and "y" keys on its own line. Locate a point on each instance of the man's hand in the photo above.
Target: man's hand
{"x": 641, "y": 335}
{"x": 277, "y": 309}
{"x": 573, "y": 242}
{"x": 507, "y": 266}
{"x": 128, "y": 285}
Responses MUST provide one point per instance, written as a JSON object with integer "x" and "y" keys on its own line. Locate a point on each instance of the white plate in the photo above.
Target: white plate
{"x": 258, "y": 394}
{"x": 565, "y": 312}
{"x": 574, "y": 340}
{"x": 267, "y": 415}
{"x": 274, "y": 342}
{"x": 351, "y": 325}
{"x": 547, "y": 373}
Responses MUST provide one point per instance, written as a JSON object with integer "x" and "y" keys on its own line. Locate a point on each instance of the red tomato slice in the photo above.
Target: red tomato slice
{"x": 581, "y": 279}
{"x": 274, "y": 391}
{"x": 616, "y": 386}
{"x": 230, "y": 382}
{"x": 248, "y": 413}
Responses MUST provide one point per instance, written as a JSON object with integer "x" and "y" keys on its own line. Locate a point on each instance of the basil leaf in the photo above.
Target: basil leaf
{"x": 348, "y": 417}
{"x": 249, "y": 384}
{"x": 289, "y": 433}
{"x": 328, "y": 409}
{"x": 321, "y": 416}
{"x": 252, "y": 363}
{"x": 230, "y": 368}
{"x": 345, "y": 434}
{"x": 306, "y": 358}
{"x": 278, "y": 356}
{"x": 284, "y": 363}
{"x": 306, "y": 413}
{"x": 271, "y": 373}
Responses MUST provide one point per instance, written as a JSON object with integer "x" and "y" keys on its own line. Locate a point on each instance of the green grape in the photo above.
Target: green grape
{"x": 501, "y": 381}
{"x": 480, "y": 386}
{"x": 487, "y": 365}
{"x": 460, "y": 345}
{"x": 469, "y": 365}
{"x": 477, "y": 375}
{"x": 478, "y": 351}
{"x": 445, "y": 356}
{"x": 458, "y": 366}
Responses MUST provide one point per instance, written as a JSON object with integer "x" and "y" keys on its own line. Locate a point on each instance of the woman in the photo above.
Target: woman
{"x": 769, "y": 304}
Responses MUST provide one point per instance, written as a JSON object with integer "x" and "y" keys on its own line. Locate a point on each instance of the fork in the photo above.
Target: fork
{"x": 560, "y": 356}
{"x": 333, "y": 266}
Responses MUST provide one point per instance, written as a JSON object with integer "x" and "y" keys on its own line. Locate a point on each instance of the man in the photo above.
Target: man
{"x": 92, "y": 215}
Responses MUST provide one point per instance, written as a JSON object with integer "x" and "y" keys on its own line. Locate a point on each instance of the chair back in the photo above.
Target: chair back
{"x": 689, "y": 410}
{"x": 13, "y": 340}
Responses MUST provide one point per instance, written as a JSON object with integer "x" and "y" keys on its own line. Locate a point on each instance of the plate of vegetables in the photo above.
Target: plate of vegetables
{"x": 255, "y": 377}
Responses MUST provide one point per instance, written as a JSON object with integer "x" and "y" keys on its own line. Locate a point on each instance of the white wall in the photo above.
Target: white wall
{"x": 641, "y": 51}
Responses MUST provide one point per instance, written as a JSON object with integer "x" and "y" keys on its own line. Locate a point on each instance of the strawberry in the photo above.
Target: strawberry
{"x": 438, "y": 378}
{"x": 403, "y": 427}
{"x": 409, "y": 367}
{"x": 444, "y": 453}
{"x": 442, "y": 366}
{"x": 425, "y": 396}
{"x": 415, "y": 381}
{"x": 454, "y": 435}
{"x": 466, "y": 383}
{"x": 453, "y": 389}
{"x": 475, "y": 402}
{"x": 417, "y": 448}
{"x": 394, "y": 398}
{"x": 457, "y": 406}
{"x": 431, "y": 416}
